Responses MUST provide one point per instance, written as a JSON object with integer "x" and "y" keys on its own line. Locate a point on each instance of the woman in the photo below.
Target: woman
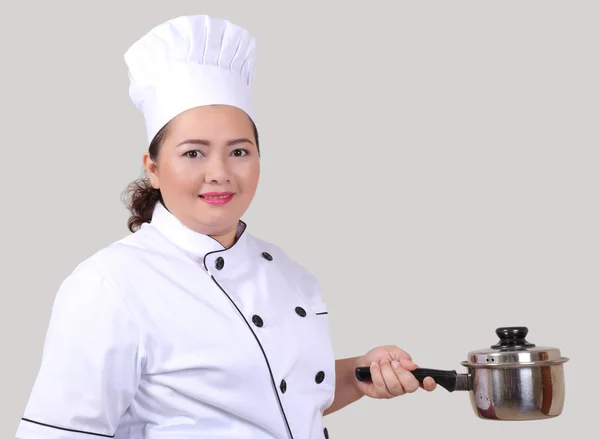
{"x": 191, "y": 326}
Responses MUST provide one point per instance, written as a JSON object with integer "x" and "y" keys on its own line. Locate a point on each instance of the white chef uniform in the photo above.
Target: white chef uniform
{"x": 167, "y": 334}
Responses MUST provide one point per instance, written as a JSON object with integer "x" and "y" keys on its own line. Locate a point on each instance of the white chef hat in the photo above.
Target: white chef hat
{"x": 187, "y": 62}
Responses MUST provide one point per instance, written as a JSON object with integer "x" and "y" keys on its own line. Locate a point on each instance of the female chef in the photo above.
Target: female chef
{"x": 191, "y": 327}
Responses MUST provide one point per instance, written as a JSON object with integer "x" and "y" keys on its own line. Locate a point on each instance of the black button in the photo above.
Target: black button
{"x": 283, "y": 386}
{"x": 267, "y": 256}
{"x": 320, "y": 377}
{"x": 219, "y": 263}
{"x": 326, "y": 433}
{"x": 300, "y": 311}
{"x": 257, "y": 321}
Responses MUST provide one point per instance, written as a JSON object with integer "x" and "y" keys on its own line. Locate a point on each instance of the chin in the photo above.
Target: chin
{"x": 216, "y": 220}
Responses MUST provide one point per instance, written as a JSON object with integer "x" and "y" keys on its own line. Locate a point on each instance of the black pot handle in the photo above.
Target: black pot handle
{"x": 445, "y": 378}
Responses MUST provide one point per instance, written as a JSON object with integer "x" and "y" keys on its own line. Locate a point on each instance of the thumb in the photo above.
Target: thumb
{"x": 407, "y": 364}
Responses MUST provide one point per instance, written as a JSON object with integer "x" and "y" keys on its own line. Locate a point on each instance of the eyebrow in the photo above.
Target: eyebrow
{"x": 208, "y": 143}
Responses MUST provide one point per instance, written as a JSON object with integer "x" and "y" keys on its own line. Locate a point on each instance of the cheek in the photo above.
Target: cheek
{"x": 249, "y": 176}
{"x": 182, "y": 176}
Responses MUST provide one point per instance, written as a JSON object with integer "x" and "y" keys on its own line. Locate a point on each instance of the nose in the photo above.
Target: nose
{"x": 217, "y": 171}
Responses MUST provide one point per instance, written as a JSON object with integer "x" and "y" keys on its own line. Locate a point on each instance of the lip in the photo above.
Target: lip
{"x": 223, "y": 198}
{"x": 216, "y": 194}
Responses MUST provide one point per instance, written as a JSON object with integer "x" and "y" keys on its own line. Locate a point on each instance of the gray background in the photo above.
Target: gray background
{"x": 435, "y": 164}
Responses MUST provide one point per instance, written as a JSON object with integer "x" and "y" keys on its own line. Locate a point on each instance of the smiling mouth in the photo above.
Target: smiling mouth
{"x": 217, "y": 198}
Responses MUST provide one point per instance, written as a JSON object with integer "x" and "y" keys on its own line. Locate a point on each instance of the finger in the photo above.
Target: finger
{"x": 429, "y": 384}
{"x": 390, "y": 378}
{"x": 408, "y": 364}
{"x": 408, "y": 381}
{"x": 399, "y": 353}
{"x": 379, "y": 387}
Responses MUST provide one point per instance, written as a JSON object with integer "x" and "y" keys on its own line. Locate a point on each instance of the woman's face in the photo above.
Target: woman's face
{"x": 208, "y": 168}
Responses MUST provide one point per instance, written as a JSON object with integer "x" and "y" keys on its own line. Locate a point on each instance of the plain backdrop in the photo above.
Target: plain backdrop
{"x": 434, "y": 163}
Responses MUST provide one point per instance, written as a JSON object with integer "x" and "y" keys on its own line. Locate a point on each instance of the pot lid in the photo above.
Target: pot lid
{"x": 514, "y": 350}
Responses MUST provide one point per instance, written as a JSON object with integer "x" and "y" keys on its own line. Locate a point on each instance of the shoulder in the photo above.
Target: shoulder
{"x": 110, "y": 267}
{"x": 117, "y": 260}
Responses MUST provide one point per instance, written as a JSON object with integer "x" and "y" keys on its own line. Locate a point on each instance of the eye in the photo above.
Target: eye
{"x": 193, "y": 154}
{"x": 239, "y": 152}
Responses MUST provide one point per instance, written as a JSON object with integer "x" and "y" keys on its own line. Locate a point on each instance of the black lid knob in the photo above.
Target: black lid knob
{"x": 512, "y": 337}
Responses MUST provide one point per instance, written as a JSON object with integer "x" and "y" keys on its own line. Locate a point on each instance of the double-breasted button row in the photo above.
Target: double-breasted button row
{"x": 319, "y": 378}
{"x": 258, "y": 321}
{"x": 220, "y": 262}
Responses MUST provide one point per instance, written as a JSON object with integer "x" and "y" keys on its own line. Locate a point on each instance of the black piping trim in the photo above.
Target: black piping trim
{"x": 264, "y": 355}
{"x": 275, "y": 389}
{"x": 321, "y": 313}
{"x": 67, "y": 429}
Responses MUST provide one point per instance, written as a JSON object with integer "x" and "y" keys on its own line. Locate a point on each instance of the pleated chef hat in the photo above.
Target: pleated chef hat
{"x": 187, "y": 62}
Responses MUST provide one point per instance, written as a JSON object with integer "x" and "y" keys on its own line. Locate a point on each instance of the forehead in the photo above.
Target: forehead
{"x": 211, "y": 121}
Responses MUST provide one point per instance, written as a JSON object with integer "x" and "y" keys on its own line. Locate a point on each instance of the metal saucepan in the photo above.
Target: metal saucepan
{"x": 512, "y": 380}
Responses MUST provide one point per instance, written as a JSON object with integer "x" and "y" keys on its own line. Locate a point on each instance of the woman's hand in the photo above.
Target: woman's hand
{"x": 390, "y": 373}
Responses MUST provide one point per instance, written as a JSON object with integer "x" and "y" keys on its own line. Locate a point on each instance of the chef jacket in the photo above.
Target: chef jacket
{"x": 167, "y": 334}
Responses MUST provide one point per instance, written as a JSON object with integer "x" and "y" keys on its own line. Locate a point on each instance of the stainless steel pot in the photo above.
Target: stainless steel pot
{"x": 512, "y": 380}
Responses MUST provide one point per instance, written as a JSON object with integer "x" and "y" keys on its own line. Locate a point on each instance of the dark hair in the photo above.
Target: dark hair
{"x": 140, "y": 196}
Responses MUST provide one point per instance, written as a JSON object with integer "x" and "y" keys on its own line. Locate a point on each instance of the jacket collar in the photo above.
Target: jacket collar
{"x": 202, "y": 247}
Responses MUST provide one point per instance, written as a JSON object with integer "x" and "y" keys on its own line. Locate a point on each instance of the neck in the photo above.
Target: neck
{"x": 227, "y": 240}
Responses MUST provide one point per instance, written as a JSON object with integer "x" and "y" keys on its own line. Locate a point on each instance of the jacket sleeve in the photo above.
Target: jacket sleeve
{"x": 90, "y": 367}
